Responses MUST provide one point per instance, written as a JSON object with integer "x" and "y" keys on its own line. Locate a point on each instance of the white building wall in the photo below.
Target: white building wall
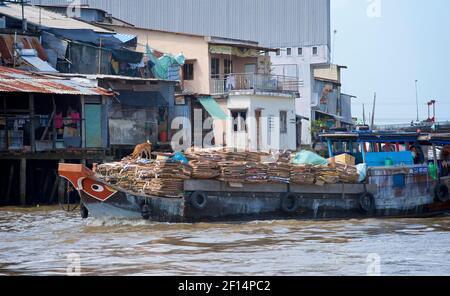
{"x": 284, "y": 65}
{"x": 270, "y": 107}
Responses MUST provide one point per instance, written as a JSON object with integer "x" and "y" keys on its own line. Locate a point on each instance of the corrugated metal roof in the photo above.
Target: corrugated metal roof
{"x": 280, "y": 23}
{"x": 124, "y": 37}
{"x": 13, "y": 80}
{"x": 39, "y": 64}
{"x": 45, "y": 18}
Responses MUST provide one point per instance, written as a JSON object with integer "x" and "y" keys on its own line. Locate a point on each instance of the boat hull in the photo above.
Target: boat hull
{"x": 241, "y": 202}
{"x": 241, "y": 206}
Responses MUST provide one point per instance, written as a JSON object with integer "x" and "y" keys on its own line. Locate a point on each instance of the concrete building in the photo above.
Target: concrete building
{"x": 299, "y": 28}
{"x": 329, "y": 105}
{"x": 229, "y": 77}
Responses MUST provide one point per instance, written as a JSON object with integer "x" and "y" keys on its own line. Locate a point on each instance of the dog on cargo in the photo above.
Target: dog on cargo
{"x": 143, "y": 150}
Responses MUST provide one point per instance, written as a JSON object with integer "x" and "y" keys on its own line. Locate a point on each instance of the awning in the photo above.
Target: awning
{"x": 235, "y": 51}
{"x": 337, "y": 117}
{"x": 212, "y": 108}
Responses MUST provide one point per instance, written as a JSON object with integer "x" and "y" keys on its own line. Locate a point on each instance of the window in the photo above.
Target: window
{"x": 215, "y": 70}
{"x": 288, "y": 51}
{"x": 227, "y": 66}
{"x": 283, "y": 122}
{"x": 239, "y": 120}
{"x": 278, "y": 52}
{"x": 315, "y": 50}
{"x": 188, "y": 71}
{"x": 300, "y": 51}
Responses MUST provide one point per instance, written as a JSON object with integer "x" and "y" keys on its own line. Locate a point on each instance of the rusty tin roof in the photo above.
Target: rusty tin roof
{"x": 14, "y": 80}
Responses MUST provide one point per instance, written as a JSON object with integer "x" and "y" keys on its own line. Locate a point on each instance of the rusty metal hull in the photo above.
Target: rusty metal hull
{"x": 327, "y": 202}
{"x": 393, "y": 192}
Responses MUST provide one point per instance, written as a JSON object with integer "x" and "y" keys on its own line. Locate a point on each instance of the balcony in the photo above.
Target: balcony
{"x": 268, "y": 83}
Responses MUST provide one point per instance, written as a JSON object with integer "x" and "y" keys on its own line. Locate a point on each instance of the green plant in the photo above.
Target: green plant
{"x": 318, "y": 126}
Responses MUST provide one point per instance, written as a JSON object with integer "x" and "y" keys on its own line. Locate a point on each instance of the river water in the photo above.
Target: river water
{"x": 47, "y": 241}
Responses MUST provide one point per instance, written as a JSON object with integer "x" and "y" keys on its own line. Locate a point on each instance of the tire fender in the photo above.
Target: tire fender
{"x": 366, "y": 203}
{"x": 199, "y": 200}
{"x": 289, "y": 203}
{"x": 441, "y": 193}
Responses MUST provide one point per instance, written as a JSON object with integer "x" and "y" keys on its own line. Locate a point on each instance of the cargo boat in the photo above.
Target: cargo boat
{"x": 394, "y": 187}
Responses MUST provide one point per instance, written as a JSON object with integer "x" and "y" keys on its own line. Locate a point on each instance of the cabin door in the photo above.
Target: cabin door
{"x": 93, "y": 122}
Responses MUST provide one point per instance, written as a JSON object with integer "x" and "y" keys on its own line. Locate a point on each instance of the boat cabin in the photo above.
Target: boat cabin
{"x": 376, "y": 148}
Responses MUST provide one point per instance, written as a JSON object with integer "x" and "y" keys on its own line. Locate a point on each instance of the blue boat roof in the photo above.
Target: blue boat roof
{"x": 372, "y": 136}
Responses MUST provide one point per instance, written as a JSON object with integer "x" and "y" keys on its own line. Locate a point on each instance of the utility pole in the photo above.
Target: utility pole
{"x": 373, "y": 111}
{"x": 417, "y": 101}
{"x": 364, "y": 115}
{"x": 334, "y": 45}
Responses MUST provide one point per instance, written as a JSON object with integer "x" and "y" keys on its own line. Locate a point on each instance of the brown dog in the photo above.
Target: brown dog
{"x": 143, "y": 150}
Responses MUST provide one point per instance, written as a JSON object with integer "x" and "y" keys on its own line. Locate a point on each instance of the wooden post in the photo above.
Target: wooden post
{"x": 363, "y": 151}
{"x": 83, "y": 123}
{"x": 32, "y": 126}
{"x": 23, "y": 181}
{"x": 61, "y": 186}
{"x": 10, "y": 181}
{"x": 330, "y": 148}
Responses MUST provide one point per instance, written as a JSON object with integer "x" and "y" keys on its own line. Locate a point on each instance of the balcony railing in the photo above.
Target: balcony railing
{"x": 222, "y": 84}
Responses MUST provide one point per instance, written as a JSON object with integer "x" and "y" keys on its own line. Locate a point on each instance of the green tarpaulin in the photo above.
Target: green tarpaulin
{"x": 212, "y": 108}
{"x": 162, "y": 65}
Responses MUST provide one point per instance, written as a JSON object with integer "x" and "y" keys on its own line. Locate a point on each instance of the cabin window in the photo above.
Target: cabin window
{"x": 288, "y": 51}
{"x": 300, "y": 51}
{"x": 188, "y": 71}
{"x": 283, "y": 122}
{"x": 278, "y": 53}
{"x": 215, "y": 67}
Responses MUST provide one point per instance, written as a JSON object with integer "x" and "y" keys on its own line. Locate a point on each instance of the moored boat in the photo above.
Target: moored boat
{"x": 394, "y": 186}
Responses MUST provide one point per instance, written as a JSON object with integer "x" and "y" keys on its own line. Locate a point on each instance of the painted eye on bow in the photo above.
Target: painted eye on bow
{"x": 97, "y": 188}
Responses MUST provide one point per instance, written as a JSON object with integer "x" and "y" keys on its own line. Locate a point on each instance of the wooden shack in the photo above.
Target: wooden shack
{"x": 46, "y": 119}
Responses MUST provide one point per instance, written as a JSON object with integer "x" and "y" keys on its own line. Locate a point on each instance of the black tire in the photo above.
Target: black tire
{"x": 289, "y": 203}
{"x": 366, "y": 203}
{"x": 84, "y": 212}
{"x": 145, "y": 212}
{"x": 441, "y": 193}
{"x": 199, "y": 200}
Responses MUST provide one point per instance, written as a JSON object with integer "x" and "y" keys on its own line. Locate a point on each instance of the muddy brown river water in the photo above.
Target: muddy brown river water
{"x": 47, "y": 241}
